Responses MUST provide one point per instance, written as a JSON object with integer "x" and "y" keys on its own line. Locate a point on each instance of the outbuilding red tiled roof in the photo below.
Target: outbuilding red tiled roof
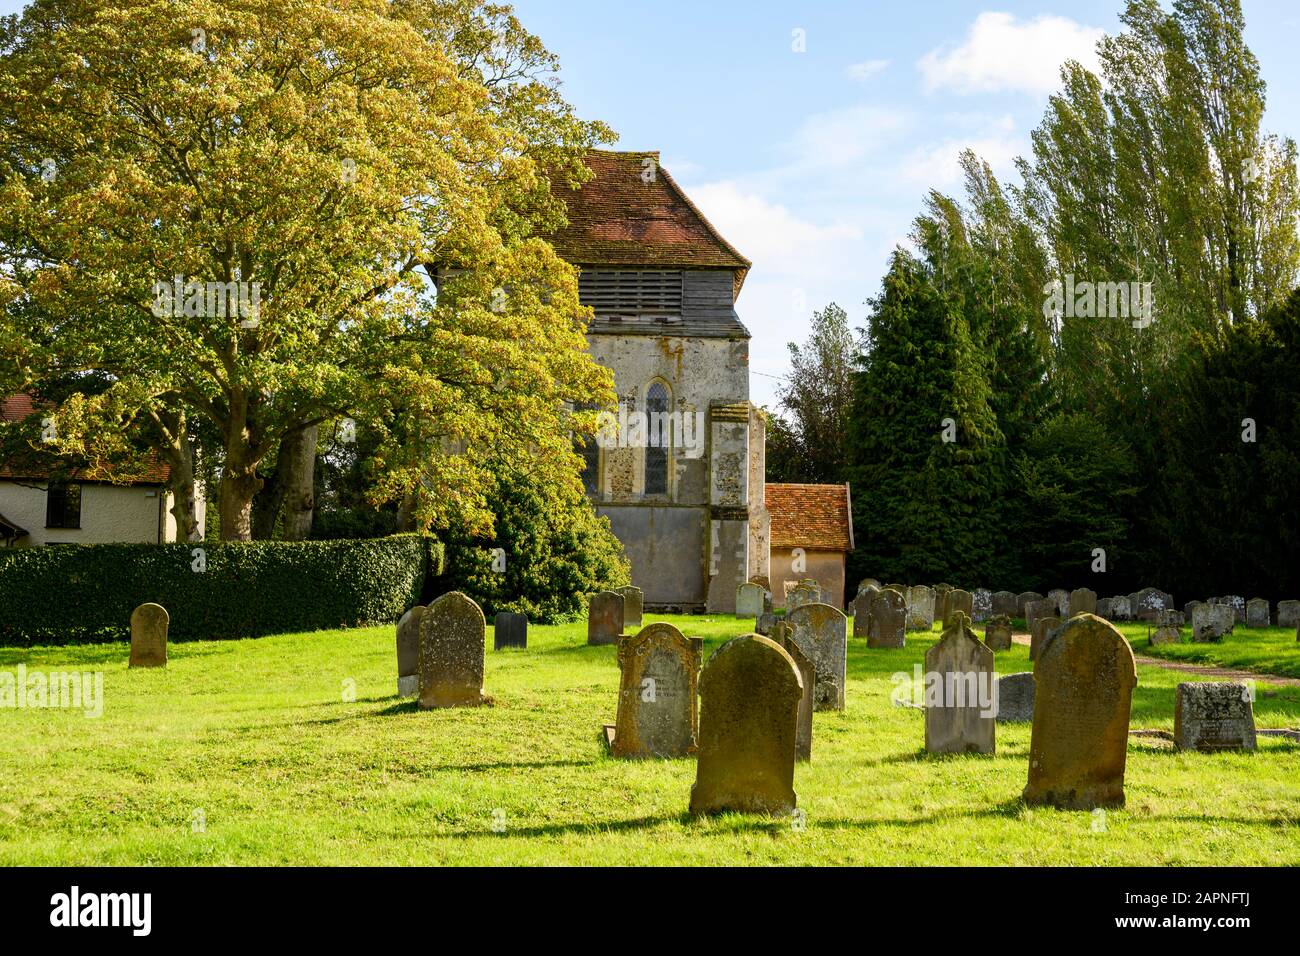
{"x": 150, "y": 470}
{"x": 818, "y": 517}
{"x": 634, "y": 214}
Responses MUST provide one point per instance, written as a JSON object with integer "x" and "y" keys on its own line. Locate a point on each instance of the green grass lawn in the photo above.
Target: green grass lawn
{"x": 257, "y": 737}
{"x": 1268, "y": 650}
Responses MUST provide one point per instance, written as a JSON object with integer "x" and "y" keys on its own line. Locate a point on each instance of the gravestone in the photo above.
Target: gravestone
{"x": 1166, "y": 634}
{"x": 1083, "y": 693}
{"x": 1082, "y": 601}
{"x": 764, "y": 623}
{"x": 1238, "y": 605}
{"x": 632, "y": 606}
{"x": 808, "y": 678}
{"x": 1190, "y": 607}
{"x": 888, "y": 620}
{"x": 821, "y": 631}
{"x": 868, "y": 583}
{"x": 1023, "y": 600}
{"x": 408, "y": 652}
{"x": 941, "y": 601}
{"x": 1061, "y": 598}
{"x": 981, "y": 604}
{"x": 861, "y": 608}
{"x": 960, "y": 699}
{"x": 997, "y": 633}
{"x": 1148, "y": 603}
{"x": 749, "y": 600}
{"x": 509, "y": 629}
{"x": 920, "y": 608}
{"x": 1016, "y": 698}
{"x": 749, "y": 714}
{"x": 1036, "y": 609}
{"x": 657, "y": 714}
{"x": 1173, "y": 618}
{"x": 1044, "y": 628}
{"x": 1211, "y": 623}
{"x": 958, "y": 601}
{"x": 605, "y": 618}
{"x": 1214, "y": 715}
{"x": 1257, "y": 613}
{"x": 1288, "y": 613}
{"x": 1004, "y": 603}
{"x": 1121, "y": 608}
{"x": 453, "y": 643}
{"x": 1106, "y": 608}
{"x": 149, "y": 624}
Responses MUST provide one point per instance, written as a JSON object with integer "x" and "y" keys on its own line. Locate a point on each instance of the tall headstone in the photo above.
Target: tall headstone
{"x": 1016, "y": 698}
{"x": 605, "y": 618}
{"x": 1082, "y": 601}
{"x": 1023, "y": 600}
{"x": 1004, "y": 603}
{"x": 1106, "y": 608}
{"x": 862, "y": 611}
{"x": 960, "y": 697}
{"x": 1043, "y": 628}
{"x": 1036, "y": 609}
{"x": 959, "y": 601}
{"x": 408, "y": 652}
{"x": 657, "y": 714}
{"x": 821, "y": 631}
{"x": 1257, "y": 613}
{"x": 1211, "y": 623}
{"x": 149, "y": 624}
{"x": 888, "y": 620}
{"x": 920, "y": 608}
{"x": 749, "y": 713}
{"x": 1084, "y": 680}
{"x": 808, "y": 678}
{"x": 509, "y": 629}
{"x": 941, "y": 601}
{"x": 1288, "y": 613}
{"x": 997, "y": 633}
{"x": 1061, "y": 598}
{"x": 981, "y": 602}
{"x": 1214, "y": 715}
{"x": 632, "y": 605}
{"x": 749, "y": 600}
{"x": 453, "y": 642}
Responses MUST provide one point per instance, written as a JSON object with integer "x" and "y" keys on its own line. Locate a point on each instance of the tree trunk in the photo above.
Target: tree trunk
{"x": 184, "y": 500}
{"x": 239, "y": 483}
{"x": 298, "y": 481}
{"x": 406, "y": 513}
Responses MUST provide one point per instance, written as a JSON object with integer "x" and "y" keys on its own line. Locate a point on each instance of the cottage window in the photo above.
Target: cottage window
{"x": 63, "y": 505}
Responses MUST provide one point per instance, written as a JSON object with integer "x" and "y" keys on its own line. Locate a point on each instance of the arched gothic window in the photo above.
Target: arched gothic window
{"x": 658, "y": 438}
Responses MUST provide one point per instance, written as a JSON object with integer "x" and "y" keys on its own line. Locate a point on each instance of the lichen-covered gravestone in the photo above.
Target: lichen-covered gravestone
{"x": 920, "y": 609}
{"x": 1166, "y": 634}
{"x": 408, "y": 652}
{"x": 1288, "y": 613}
{"x": 149, "y": 636}
{"x": 997, "y": 634}
{"x": 821, "y": 631}
{"x": 1211, "y": 623}
{"x": 1148, "y": 604}
{"x": 605, "y": 618}
{"x": 1084, "y": 679}
{"x": 1036, "y": 609}
{"x": 749, "y": 712}
{"x": 657, "y": 714}
{"x": 808, "y": 677}
{"x": 1214, "y": 715}
{"x": 764, "y": 623}
{"x": 453, "y": 644}
{"x": 1061, "y": 598}
{"x": 1121, "y": 608}
{"x": 888, "y": 620}
{"x": 959, "y": 601}
{"x": 861, "y": 609}
{"x": 1257, "y": 613}
{"x": 1016, "y": 698}
{"x": 1082, "y": 601}
{"x": 1043, "y": 628}
{"x": 749, "y": 600}
{"x": 632, "y": 605}
{"x": 1004, "y": 603}
{"x": 509, "y": 629}
{"x": 960, "y": 704}
{"x": 981, "y": 602}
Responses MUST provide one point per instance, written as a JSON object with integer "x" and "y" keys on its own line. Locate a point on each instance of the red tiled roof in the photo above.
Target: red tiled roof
{"x": 618, "y": 219}
{"x": 810, "y": 516}
{"x": 150, "y": 471}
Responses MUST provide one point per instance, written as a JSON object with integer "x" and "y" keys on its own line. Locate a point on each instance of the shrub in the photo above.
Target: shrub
{"x": 87, "y": 592}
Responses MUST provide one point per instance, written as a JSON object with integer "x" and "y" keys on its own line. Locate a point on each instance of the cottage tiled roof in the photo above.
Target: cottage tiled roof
{"x": 620, "y": 219}
{"x": 150, "y": 470}
{"x": 817, "y": 517}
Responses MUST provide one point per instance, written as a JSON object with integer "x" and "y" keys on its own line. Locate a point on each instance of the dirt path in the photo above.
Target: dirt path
{"x": 1201, "y": 670}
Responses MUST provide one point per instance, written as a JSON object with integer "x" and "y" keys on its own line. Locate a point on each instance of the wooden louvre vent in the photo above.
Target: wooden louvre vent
{"x": 640, "y": 296}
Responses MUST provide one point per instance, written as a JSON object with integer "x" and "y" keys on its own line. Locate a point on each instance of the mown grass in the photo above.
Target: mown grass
{"x": 257, "y": 737}
{"x": 1266, "y": 650}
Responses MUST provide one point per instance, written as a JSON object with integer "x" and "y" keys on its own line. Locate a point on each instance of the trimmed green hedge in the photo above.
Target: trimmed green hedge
{"x": 87, "y": 592}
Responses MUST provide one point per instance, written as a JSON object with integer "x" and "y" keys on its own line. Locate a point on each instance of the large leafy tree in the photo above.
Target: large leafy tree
{"x": 326, "y": 152}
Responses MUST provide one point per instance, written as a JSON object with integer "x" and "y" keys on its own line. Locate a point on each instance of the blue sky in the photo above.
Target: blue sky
{"x": 814, "y": 163}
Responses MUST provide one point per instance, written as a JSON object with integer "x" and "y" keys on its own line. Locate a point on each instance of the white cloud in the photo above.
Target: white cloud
{"x": 935, "y": 165}
{"x": 842, "y": 137}
{"x": 1001, "y": 54}
{"x": 866, "y": 69}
